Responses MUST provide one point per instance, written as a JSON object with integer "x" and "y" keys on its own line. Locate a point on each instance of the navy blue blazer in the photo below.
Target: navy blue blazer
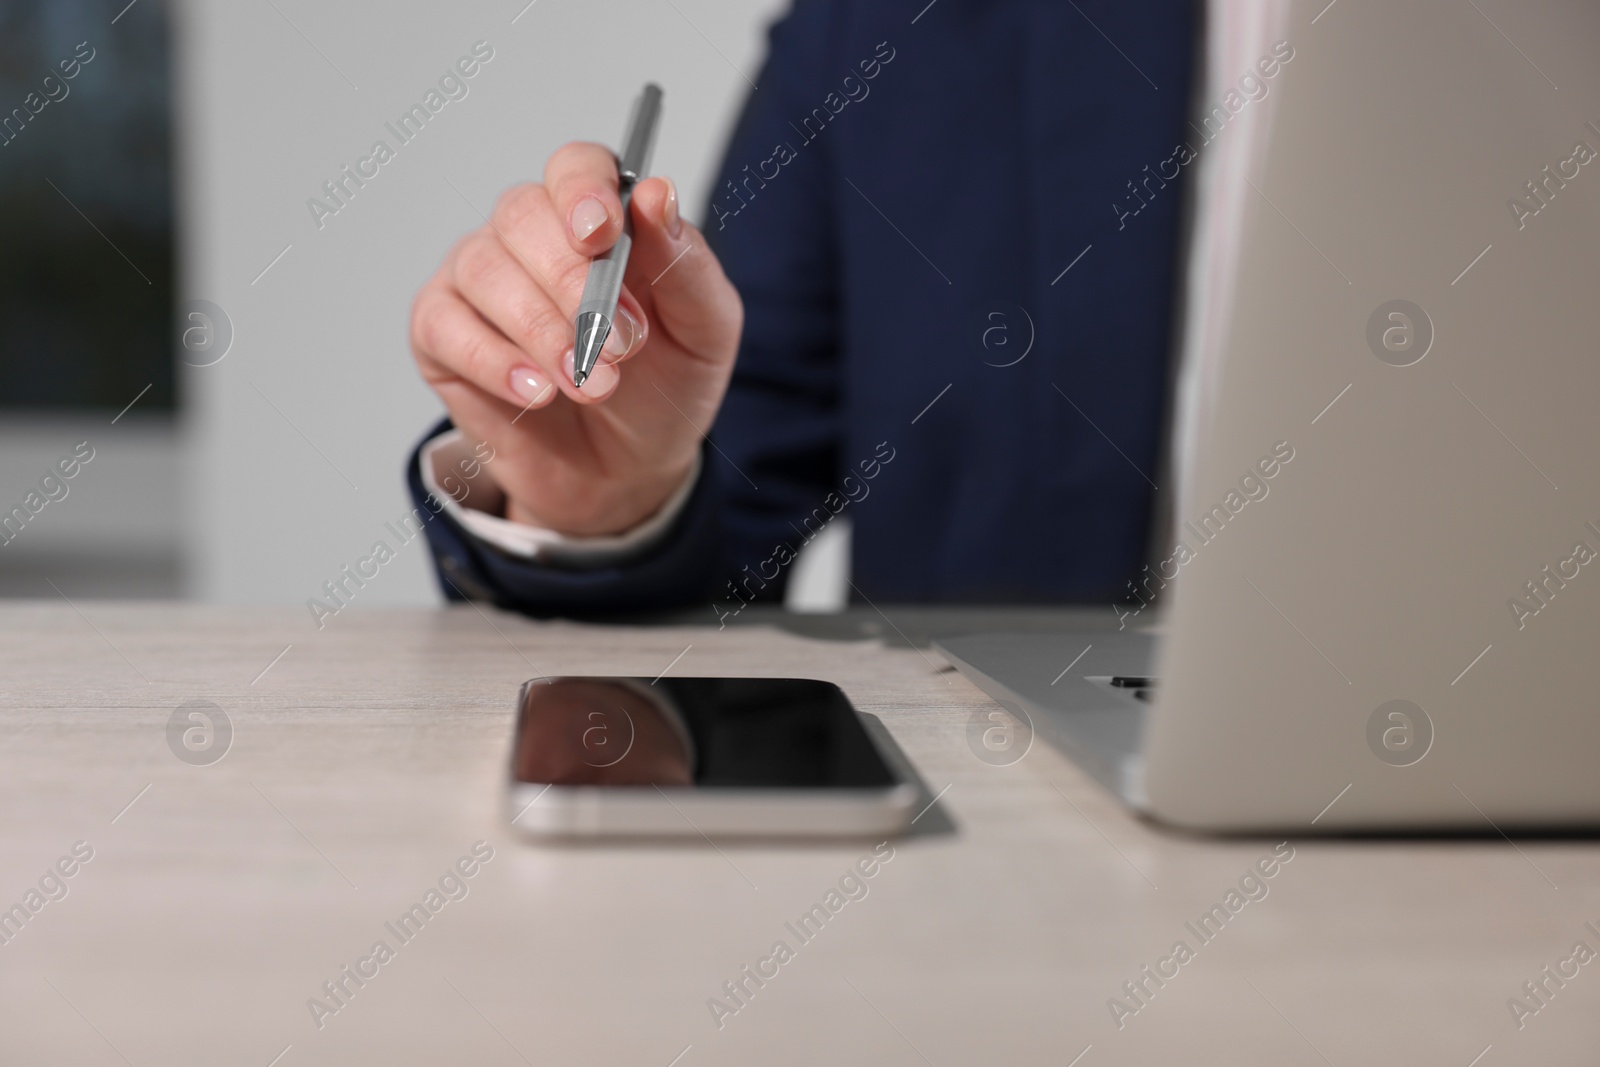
{"x": 957, "y": 253}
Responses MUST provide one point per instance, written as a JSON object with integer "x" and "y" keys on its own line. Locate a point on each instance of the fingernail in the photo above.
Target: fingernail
{"x": 602, "y": 379}
{"x": 588, "y": 215}
{"x": 531, "y": 385}
{"x": 669, "y": 214}
{"x": 624, "y": 335}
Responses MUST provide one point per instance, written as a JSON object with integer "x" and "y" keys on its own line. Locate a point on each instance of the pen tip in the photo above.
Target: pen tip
{"x": 592, "y": 329}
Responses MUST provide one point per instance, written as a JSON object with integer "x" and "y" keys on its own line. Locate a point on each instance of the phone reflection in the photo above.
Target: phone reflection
{"x": 585, "y": 731}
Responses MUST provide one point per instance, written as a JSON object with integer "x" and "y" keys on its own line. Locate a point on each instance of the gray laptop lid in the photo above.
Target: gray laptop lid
{"x": 1387, "y": 599}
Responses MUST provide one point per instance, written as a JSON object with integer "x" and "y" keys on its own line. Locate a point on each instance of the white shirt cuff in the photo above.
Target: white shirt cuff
{"x": 449, "y": 456}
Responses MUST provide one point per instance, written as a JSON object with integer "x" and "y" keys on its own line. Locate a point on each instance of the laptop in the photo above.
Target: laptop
{"x": 1379, "y": 586}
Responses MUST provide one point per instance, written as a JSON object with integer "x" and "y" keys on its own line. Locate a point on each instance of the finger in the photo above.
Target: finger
{"x": 484, "y": 416}
{"x": 453, "y": 342}
{"x": 506, "y": 295}
{"x": 602, "y": 381}
{"x": 582, "y": 181}
{"x": 515, "y": 279}
{"x": 629, "y": 330}
{"x": 509, "y": 431}
{"x": 525, "y": 221}
{"x": 528, "y": 226}
{"x": 677, "y": 277}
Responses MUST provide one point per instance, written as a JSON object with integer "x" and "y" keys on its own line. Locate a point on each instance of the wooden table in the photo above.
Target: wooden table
{"x": 368, "y": 758}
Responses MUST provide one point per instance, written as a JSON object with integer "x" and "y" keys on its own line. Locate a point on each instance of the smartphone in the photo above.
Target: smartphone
{"x": 701, "y": 757}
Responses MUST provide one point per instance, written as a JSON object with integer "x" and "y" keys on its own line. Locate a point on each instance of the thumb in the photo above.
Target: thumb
{"x": 677, "y": 278}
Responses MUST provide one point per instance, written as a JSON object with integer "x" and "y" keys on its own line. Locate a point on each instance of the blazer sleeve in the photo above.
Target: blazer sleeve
{"x": 669, "y": 574}
{"x": 772, "y": 453}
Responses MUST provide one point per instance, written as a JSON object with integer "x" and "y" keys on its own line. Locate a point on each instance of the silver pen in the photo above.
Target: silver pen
{"x": 603, "y": 286}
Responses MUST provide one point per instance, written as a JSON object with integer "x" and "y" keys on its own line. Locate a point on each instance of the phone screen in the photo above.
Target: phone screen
{"x": 706, "y": 733}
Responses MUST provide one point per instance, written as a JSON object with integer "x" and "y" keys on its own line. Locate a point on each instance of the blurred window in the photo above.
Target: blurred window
{"x": 86, "y": 213}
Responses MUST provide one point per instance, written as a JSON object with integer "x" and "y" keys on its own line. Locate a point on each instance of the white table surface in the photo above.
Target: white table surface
{"x": 372, "y": 754}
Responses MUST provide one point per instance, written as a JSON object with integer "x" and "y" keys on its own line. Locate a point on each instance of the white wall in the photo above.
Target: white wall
{"x": 282, "y": 501}
{"x": 119, "y": 529}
